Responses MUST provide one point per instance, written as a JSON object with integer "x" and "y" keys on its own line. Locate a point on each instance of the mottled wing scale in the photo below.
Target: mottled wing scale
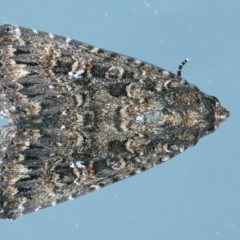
{"x": 81, "y": 118}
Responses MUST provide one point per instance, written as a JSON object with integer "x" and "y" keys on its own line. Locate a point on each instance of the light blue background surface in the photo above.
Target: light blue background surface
{"x": 194, "y": 196}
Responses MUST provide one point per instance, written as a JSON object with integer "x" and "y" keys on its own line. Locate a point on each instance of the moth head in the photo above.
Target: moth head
{"x": 220, "y": 114}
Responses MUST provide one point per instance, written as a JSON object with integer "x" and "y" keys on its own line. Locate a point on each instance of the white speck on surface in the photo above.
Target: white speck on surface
{"x": 37, "y": 209}
{"x": 165, "y": 158}
{"x": 79, "y": 72}
{"x": 35, "y": 31}
{"x": 68, "y": 40}
{"x": 182, "y": 149}
{"x": 51, "y": 35}
{"x": 20, "y": 207}
{"x": 95, "y": 50}
{"x": 138, "y": 171}
{"x": 79, "y": 164}
{"x": 72, "y": 165}
{"x": 138, "y": 61}
{"x": 165, "y": 73}
{"x": 54, "y": 203}
{"x": 70, "y": 198}
{"x": 18, "y": 32}
{"x": 140, "y": 118}
{"x": 51, "y": 86}
{"x": 147, "y": 4}
{"x": 166, "y": 84}
{"x": 95, "y": 186}
{"x": 165, "y": 148}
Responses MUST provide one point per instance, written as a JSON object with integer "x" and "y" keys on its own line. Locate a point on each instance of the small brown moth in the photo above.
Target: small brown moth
{"x": 81, "y": 118}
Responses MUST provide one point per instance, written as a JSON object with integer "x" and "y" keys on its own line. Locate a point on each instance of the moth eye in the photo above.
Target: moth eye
{"x": 210, "y": 129}
{"x": 216, "y": 100}
{"x": 213, "y": 100}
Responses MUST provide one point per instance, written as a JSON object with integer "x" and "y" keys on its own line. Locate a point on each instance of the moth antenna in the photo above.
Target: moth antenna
{"x": 181, "y": 66}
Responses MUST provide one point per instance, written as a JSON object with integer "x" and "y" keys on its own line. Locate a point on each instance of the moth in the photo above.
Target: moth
{"x": 80, "y": 118}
